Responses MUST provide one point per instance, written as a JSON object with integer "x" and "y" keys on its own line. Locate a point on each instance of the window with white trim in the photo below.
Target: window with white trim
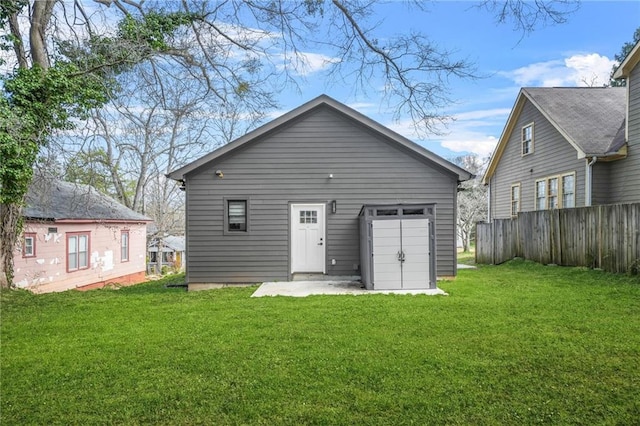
{"x": 568, "y": 191}
{"x": 552, "y": 184}
{"x": 77, "y": 251}
{"x": 515, "y": 199}
{"x": 29, "y": 245}
{"x": 556, "y": 192}
{"x": 541, "y": 194}
{"x": 527, "y": 139}
{"x": 124, "y": 246}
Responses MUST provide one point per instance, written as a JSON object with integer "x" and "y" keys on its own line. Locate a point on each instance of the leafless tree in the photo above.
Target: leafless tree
{"x": 472, "y": 198}
{"x": 237, "y": 49}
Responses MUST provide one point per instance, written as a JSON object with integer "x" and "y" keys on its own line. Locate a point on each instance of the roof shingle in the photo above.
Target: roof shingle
{"x": 591, "y": 117}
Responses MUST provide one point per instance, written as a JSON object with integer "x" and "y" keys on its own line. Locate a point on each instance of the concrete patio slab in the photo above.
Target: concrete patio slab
{"x": 307, "y": 288}
{"x": 463, "y": 266}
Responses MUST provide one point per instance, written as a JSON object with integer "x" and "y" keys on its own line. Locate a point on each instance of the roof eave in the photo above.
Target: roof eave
{"x": 504, "y": 138}
{"x": 629, "y": 63}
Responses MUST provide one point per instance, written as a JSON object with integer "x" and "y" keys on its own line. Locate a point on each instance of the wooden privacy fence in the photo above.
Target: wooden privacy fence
{"x": 606, "y": 237}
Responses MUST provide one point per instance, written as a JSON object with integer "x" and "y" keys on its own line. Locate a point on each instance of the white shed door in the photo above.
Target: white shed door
{"x": 308, "y": 238}
{"x": 387, "y": 268}
{"x": 415, "y": 246}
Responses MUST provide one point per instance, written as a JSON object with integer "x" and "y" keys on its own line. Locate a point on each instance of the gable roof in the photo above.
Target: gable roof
{"x": 327, "y": 101}
{"x": 629, "y": 63}
{"x": 591, "y": 119}
{"x": 54, "y": 199}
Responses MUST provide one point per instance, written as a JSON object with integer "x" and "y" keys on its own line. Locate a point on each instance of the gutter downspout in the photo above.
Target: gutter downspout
{"x": 588, "y": 189}
{"x": 489, "y": 202}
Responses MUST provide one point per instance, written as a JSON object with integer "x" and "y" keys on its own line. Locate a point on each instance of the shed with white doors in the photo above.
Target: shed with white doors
{"x": 398, "y": 246}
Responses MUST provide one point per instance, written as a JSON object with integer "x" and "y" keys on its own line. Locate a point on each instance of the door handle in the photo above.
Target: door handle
{"x": 320, "y": 243}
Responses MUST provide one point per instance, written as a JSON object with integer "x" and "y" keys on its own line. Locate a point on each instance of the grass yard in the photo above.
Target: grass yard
{"x": 513, "y": 344}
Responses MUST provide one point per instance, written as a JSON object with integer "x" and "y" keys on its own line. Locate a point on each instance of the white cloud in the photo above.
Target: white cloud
{"x": 475, "y": 131}
{"x": 362, "y": 106}
{"x": 578, "y": 70}
{"x": 304, "y": 63}
{"x": 470, "y": 131}
{"x": 476, "y": 143}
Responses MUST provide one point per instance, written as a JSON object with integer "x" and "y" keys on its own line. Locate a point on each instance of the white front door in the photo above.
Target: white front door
{"x": 308, "y": 240}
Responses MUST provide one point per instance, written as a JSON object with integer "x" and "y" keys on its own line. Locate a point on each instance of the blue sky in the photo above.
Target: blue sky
{"x": 568, "y": 54}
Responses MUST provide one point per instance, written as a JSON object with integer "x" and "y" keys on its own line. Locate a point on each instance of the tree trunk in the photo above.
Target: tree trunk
{"x": 465, "y": 241}
{"x": 9, "y": 223}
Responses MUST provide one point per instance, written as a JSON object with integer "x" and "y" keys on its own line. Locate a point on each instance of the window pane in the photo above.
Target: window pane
{"x": 308, "y": 216}
{"x": 568, "y": 191}
{"x": 82, "y": 243}
{"x": 527, "y": 137}
{"x": 553, "y": 193}
{"x": 541, "y": 195}
{"x": 515, "y": 200}
{"x": 237, "y": 215}
{"x": 73, "y": 260}
{"x": 28, "y": 246}
{"x": 73, "y": 245}
{"x": 82, "y": 259}
{"x": 124, "y": 252}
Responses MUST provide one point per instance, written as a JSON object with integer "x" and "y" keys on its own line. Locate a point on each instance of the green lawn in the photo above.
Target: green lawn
{"x": 513, "y": 344}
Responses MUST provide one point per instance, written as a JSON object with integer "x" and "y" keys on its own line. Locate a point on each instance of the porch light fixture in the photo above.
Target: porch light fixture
{"x": 219, "y": 174}
{"x": 334, "y": 206}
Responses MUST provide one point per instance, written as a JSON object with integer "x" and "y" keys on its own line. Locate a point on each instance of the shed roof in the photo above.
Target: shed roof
{"x": 327, "y": 101}
{"x": 54, "y": 199}
{"x": 591, "y": 119}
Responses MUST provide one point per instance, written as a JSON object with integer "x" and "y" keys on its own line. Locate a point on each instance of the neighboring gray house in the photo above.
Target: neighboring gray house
{"x": 285, "y": 198}
{"x": 562, "y": 148}
{"x": 173, "y": 248}
{"x": 569, "y": 147}
{"x": 625, "y": 180}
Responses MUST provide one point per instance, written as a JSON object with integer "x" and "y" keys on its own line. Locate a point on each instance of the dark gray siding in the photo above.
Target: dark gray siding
{"x": 293, "y": 165}
{"x": 625, "y": 173}
{"x": 553, "y": 155}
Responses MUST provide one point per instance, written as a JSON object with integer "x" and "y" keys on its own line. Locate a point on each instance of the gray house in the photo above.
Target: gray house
{"x": 285, "y": 198}
{"x": 563, "y": 148}
{"x": 569, "y": 147}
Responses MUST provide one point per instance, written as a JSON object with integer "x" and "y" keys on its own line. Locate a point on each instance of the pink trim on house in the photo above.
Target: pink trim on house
{"x": 47, "y": 271}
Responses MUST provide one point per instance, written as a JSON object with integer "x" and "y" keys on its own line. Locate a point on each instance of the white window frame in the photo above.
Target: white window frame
{"x": 537, "y": 193}
{"x": 516, "y": 202}
{"x": 573, "y": 193}
{"x": 553, "y": 197}
{"x": 558, "y": 195}
{"x": 530, "y": 141}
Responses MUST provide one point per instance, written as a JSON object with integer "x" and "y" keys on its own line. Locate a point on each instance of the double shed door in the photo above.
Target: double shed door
{"x": 400, "y": 254}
